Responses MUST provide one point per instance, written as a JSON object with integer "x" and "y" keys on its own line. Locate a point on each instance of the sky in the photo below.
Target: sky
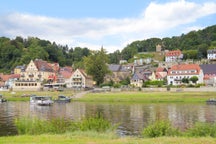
{"x": 112, "y": 24}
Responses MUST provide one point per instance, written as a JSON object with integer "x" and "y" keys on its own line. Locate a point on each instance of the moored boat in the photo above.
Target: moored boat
{"x": 41, "y": 100}
{"x": 211, "y": 101}
{"x": 63, "y": 99}
{"x": 2, "y": 99}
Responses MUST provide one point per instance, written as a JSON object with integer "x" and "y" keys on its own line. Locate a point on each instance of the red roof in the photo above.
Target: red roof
{"x": 185, "y": 67}
{"x": 7, "y": 77}
{"x": 173, "y": 53}
{"x": 66, "y": 74}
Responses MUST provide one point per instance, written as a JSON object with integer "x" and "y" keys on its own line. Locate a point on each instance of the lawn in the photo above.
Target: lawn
{"x": 100, "y": 138}
{"x": 149, "y": 97}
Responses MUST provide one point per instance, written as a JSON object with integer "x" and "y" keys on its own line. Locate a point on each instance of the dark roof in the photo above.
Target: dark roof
{"x": 208, "y": 68}
{"x": 114, "y": 67}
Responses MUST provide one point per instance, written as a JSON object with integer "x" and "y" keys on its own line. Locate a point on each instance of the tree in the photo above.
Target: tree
{"x": 185, "y": 80}
{"x": 96, "y": 65}
{"x": 194, "y": 79}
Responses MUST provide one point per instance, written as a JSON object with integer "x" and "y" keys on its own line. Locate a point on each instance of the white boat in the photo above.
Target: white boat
{"x": 41, "y": 100}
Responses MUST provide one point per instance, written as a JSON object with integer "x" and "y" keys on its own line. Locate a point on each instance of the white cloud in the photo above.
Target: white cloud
{"x": 157, "y": 18}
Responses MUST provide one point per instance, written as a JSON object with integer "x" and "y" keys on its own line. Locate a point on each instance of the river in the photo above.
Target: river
{"x": 132, "y": 118}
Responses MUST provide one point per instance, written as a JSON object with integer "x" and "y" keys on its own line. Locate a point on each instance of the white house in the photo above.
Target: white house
{"x": 173, "y": 56}
{"x": 177, "y": 72}
{"x": 79, "y": 79}
{"x": 211, "y": 54}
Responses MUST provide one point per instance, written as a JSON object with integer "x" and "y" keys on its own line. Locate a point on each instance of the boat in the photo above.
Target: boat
{"x": 41, "y": 100}
{"x": 211, "y": 101}
{"x": 63, "y": 99}
{"x": 2, "y": 99}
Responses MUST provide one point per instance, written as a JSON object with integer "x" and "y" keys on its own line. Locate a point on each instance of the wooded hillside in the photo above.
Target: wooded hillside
{"x": 20, "y": 50}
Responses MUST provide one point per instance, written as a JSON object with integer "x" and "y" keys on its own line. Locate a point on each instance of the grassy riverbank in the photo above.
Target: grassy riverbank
{"x": 24, "y": 95}
{"x": 100, "y": 138}
{"x": 149, "y": 97}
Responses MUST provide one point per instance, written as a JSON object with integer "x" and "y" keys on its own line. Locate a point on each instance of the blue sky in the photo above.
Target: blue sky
{"x": 113, "y": 23}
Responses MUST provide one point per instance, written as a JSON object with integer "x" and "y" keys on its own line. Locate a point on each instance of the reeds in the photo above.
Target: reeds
{"x": 164, "y": 128}
{"x": 26, "y": 125}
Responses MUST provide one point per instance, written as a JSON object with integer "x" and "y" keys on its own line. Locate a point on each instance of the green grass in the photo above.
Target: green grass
{"x": 24, "y": 95}
{"x": 100, "y": 138}
{"x": 149, "y": 97}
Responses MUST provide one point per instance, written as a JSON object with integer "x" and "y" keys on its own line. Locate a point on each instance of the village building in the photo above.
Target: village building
{"x": 118, "y": 73}
{"x": 6, "y": 81}
{"x": 36, "y": 72}
{"x": 80, "y": 80}
{"x": 173, "y": 56}
{"x": 211, "y": 54}
{"x": 177, "y": 72}
{"x": 139, "y": 77}
{"x": 161, "y": 73}
{"x": 209, "y": 71}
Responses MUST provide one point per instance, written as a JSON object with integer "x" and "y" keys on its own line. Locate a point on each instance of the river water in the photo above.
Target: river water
{"x": 132, "y": 118}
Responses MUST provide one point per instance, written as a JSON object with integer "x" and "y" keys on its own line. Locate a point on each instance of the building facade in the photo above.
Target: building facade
{"x": 177, "y": 72}
{"x": 173, "y": 56}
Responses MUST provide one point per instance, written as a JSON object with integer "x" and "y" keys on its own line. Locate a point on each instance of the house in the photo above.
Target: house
{"x": 173, "y": 56}
{"x": 209, "y": 71}
{"x": 19, "y": 69}
{"x": 38, "y": 70}
{"x": 8, "y": 80}
{"x": 79, "y": 79}
{"x": 118, "y": 73}
{"x": 177, "y": 72}
{"x": 64, "y": 76}
{"x": 211, "y": 54}
{"x": 138, "y": 79}
{"x": 161, "y": 73}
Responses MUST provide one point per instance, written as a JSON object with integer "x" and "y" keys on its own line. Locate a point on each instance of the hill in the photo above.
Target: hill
{"x": 20, "y": 51}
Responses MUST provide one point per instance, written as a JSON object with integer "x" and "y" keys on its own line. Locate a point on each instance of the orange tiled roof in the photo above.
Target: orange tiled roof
{"x": 173, "y": 53}
{"x": 7, "y": 77}
{"x": 185, "y": 67}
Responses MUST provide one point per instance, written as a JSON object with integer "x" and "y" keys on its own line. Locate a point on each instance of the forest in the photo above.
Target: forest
{"x": 20, "y": 51}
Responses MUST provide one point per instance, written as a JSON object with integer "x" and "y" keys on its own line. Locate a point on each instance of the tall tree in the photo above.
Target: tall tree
{"x": 96, "y": 65}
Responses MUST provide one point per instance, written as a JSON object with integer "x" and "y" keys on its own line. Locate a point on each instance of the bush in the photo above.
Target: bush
{"x": 202, "y": 130}
{"x": 97, "y": 123}
{"x": 160, "y": 128}
{"x": 26, "y": 125}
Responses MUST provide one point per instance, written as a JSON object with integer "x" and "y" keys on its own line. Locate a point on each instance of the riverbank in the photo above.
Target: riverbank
{"x": 100, "y": 138}
{"x": 149, "y": 97}
{"x": 138, "y": 96}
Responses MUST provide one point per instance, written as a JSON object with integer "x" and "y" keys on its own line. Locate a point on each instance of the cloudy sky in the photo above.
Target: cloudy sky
{"x": 112, "y": 23}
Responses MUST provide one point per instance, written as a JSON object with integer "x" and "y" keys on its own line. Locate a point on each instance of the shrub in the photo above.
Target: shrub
{"x": 97, "y": 123}
{"x": 160, "y": 128}
{"x": 202, "y": 129}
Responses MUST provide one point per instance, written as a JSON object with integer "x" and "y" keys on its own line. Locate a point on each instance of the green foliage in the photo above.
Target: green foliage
{"x": 20, "y": 51}
{"x": 202, "y": 130}
{"x": 160, "y": 128}
{"x": 125, "y": 81}
{"x": 117, "y": 85}
{"x": 194, "y": 79}
{"x": 154, "y": 83}
{"x": 34, "y": 126}
{"x": 97, "y": 123}
{"x": 185, "y": 80}
{"x": 96, "y": 65}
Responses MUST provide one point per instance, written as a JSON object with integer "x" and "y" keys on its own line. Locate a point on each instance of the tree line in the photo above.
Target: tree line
{"x": 20, "y": 50}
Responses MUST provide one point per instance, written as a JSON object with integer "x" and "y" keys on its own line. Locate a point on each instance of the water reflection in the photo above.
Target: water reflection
{"x": 132, "y": 118}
